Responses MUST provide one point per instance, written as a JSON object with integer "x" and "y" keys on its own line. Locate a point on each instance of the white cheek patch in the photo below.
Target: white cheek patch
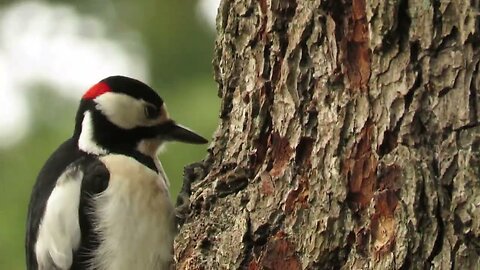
{"x": 127, "y": 112}
{"x": 121, "y": 109}
{"x": 59, "y": 233}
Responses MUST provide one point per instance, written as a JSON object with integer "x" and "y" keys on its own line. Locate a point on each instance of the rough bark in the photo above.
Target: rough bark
{"x": 348, "y": 138}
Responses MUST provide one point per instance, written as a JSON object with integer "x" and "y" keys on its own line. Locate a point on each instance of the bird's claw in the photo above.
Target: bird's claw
{"x": 191, "y": 173}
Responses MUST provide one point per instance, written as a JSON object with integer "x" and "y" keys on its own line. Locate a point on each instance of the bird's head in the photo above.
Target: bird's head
{"x": 121, "y": 114}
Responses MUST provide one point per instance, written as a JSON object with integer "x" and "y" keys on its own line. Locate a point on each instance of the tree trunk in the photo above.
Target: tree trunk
{"x": 348, "y": 139}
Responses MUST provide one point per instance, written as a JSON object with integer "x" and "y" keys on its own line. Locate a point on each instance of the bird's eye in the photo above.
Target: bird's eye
{"x": 151, "y": 112}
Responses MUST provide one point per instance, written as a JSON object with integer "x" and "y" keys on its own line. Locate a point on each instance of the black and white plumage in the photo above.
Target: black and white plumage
{"x": 101, "y": 200}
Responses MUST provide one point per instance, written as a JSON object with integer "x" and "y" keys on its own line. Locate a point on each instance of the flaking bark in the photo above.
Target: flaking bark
{"x": 348, "y": 138}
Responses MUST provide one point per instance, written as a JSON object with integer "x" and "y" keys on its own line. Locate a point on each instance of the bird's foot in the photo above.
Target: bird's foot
{"x": 191, "y": 173}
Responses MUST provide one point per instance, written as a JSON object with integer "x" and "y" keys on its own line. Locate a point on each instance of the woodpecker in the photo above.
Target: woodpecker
{"x": 101, "y": 200}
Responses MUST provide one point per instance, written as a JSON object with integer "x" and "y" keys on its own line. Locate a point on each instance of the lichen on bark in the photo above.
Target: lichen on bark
{"x": 348, "y": 138}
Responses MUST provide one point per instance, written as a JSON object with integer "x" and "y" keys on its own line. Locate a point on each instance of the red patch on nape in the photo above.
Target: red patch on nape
{"x": 96, "y": 90}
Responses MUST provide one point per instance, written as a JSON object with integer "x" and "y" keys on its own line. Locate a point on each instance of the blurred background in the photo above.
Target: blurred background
{"x": 52, "y": 51}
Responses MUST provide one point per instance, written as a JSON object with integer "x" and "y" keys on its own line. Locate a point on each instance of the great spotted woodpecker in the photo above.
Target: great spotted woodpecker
{"x": 101, "y": 200}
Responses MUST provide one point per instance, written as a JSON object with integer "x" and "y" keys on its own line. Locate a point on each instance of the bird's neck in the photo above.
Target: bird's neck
{"x": 145, "y": 151}
{"x": 85, "y": 105}
{"x": 87, "y": 133}
{"x": 86, "y": 138}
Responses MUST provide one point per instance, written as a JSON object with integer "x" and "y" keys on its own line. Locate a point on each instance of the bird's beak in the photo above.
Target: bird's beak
{"x": 174, "y": 132}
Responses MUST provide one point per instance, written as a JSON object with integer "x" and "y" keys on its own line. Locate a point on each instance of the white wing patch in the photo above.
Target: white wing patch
{"x": 59, "y": 233}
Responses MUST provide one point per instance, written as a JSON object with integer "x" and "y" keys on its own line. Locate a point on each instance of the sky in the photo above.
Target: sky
{"x": 39, "y": 50}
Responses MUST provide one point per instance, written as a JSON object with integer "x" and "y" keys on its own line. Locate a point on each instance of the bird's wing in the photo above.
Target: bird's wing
{"x": 66, "y": 154}
{"x": 65, "y": 231}
{"x": 59, "y": 231}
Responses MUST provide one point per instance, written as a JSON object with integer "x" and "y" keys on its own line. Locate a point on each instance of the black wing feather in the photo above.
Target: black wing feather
{"x": 95, "y": 180}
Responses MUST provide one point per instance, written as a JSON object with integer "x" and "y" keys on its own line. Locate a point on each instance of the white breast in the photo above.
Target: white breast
{"x": 134, "y": 218}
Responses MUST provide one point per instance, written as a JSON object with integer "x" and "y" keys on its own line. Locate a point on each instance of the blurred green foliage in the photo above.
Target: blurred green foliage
{"x": 179, "y": 48}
